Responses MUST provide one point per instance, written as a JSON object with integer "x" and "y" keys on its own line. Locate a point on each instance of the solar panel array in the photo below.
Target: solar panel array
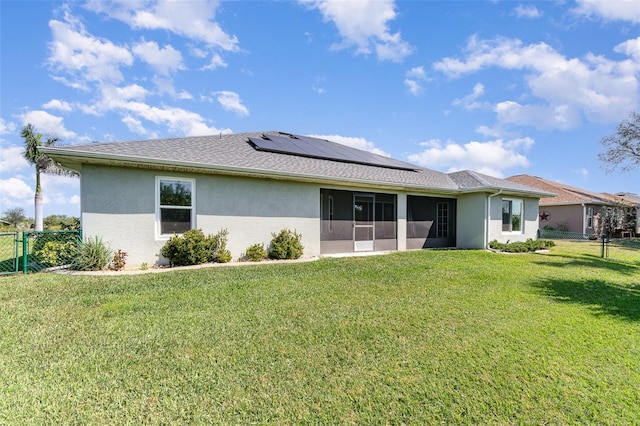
{"x": 305, "y": 146}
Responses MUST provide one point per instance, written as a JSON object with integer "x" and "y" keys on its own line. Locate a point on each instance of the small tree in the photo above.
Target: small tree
{"x": 622, "y": 149}
{"x": 612, "y": 219}
{"x": 15, "y": 216}
{"x": 43, "y": 163}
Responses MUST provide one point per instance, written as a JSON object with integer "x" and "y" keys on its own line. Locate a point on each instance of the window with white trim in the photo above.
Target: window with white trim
{"x": 589, "y": 217}
{"x": 512, "y": 215}
{"x": 175, "y": 201}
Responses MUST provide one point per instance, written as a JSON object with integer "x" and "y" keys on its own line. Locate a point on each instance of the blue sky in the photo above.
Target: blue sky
{"x": 500, "y": 87}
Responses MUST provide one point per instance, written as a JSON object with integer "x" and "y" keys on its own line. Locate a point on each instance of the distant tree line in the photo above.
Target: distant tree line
{"x": 16, "y": 218}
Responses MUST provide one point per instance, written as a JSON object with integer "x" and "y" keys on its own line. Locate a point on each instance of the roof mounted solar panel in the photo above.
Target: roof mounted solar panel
{"x": 305, "y": 146}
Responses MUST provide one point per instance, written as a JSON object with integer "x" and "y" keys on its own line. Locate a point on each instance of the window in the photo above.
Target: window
{"x": 442, "y": 220}
{"x": 589, "y": 217}
{"x": 511, "y": 215}
{"x": 175, "y": 200}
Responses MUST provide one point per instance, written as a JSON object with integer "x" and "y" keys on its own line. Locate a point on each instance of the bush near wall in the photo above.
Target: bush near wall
{"x": 286, "y": 245}
{"x": 195, "y": 248}
{"x": 255, "y": 253}
{"x": 521, "y": 247}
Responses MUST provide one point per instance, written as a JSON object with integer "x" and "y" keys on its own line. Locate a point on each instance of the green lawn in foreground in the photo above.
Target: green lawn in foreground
{"x": 424, "y": 337}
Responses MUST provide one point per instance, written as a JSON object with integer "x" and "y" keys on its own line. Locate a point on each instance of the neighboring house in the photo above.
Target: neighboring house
{"x": 573, "y": 209}
{"x": 136, "y": 195}
{"x": 635, "y": 200}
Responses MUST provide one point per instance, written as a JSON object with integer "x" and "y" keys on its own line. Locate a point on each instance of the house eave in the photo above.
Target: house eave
{"x": 579, "y": 203}
{"x": 74, "y": 160}
{"x": 506, "y": 191}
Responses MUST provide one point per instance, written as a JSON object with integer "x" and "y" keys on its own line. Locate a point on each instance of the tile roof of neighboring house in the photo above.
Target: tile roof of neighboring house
{"x": 233, "y": 154}
{"x": 566, "y": 194}
{"x": 630, "y": 196}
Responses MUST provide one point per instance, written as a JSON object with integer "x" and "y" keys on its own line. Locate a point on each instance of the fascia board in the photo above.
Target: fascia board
{"x": 76, "y": 158}
{"x": 504, "y": 191}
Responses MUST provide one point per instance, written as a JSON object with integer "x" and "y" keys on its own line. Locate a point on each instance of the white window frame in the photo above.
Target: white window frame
{"x": 590, "y": 217}
{"x": 159, "y": 234}
{"x": 513, "y": 200}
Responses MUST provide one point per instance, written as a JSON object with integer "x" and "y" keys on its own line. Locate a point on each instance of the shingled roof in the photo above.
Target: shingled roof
{"x": 567, "y": 194}
{"x": 234, "y": 154}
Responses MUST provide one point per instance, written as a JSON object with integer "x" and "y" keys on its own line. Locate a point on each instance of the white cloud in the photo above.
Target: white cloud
{"x": 125, "y": 93}
{"x": 354, "y": 142}
{"x": 58, "y": 104}
{"x": 230, "y": 101}
{"x": 6, "y": 127}
{"x": 540, "y": 116}
{"x": 12, "y": 159}
{"x": 84, "y": 56}
{"x": 193, "y": 19}
{"x": 135, "y": 126}
{"x": 216, "y": 62}
{"x": 14, "y": 192}
{"x": 318, "y": 85}
{"x": 60, "y": 190}
{"x": 178, "y": 120}
{"x": 490, "y": 158}
{"x": 92, "y": 64}
{"x": 566, "y": 89}
{"x": 470, "y": 101}
{"x": 582, "y": 172}
{"x": 486, "y": 131}
{"x": 527, "y": 11}
{"x": 618, "y": 10}
{"x": 48, "y": 124}
{"x": 364, "y": 24}
{"x": 630, "y": 48}
{"x": 165, "y": 60}
{"x": 413, "y": 79}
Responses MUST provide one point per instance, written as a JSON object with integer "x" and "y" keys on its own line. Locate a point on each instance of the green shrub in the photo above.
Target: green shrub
{"x": 217, "y": 246}
{"x": 255, "y": 253}
{"x": 194, "y": 248}
{"x": 56, "y": 253}
{"x": 521, "y": 247}
{"x": 286, "y": 245}
{"x": 65, "y": 241}
{"x": 187, "y": 249}
{"x": 91, "y": 255}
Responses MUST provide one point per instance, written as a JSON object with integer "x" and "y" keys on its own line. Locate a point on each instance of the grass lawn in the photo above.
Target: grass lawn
{"x": 423, "y": 337}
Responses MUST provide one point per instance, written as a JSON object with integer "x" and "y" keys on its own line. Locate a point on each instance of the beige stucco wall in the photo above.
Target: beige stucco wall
{"x": 119, "y": 205}
{"x": 471, "y": 225}
{"x": 530, "y": 213}
{"x": 564, "y": 218}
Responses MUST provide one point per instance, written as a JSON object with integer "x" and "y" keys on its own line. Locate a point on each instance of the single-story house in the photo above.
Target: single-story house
{"x": 136, "y": 195}
{"x": 572, "y": 209}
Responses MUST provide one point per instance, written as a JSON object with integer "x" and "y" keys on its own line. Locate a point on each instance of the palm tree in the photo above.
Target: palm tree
{"x": 43, "y": 163}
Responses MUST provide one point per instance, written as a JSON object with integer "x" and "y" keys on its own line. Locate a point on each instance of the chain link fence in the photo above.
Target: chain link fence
{"x": 31, "y": 251}
{"x": 619, "y": 249}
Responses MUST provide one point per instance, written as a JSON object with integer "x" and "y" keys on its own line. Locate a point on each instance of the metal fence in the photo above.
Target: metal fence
{"x": 34, "y": 251}
{"x": 619, "y": 249}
